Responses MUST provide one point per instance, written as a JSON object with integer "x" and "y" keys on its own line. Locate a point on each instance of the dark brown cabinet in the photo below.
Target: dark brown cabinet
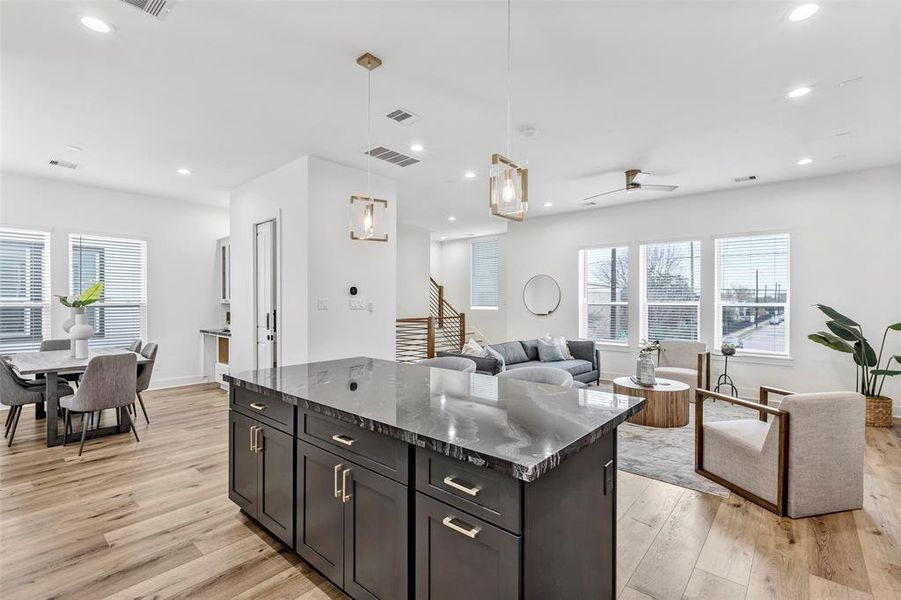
{"x": 351, "y": 524}
{"x": 460, "y": 556}
{"x": 261, "y": 474}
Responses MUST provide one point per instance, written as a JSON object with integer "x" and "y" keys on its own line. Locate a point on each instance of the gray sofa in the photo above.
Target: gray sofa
{"x": 585, "y": 365}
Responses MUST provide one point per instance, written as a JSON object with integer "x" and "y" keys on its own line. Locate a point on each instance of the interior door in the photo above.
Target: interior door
{"x": 265, "y": 295}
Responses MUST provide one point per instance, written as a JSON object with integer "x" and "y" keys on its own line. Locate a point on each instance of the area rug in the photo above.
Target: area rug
{"x": 668, "y": 454}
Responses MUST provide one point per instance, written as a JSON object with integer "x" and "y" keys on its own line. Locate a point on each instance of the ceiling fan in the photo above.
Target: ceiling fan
{"x": 634, "y": 179}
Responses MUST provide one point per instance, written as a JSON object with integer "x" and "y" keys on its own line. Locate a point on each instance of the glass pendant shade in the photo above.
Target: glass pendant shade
{"x": 368, "y": 219}
{"x": 508, "y": 189}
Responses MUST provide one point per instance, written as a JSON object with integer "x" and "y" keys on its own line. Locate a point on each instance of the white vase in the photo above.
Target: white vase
{"x": 644, "y": 371}
{"x": 79, "y": 334}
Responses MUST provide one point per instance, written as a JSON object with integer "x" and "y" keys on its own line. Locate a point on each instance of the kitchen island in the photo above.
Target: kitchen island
{"x": 398, "y": 481}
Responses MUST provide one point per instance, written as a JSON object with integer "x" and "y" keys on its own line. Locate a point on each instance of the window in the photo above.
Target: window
{"x": 604, "y": 315}
{"x": 24, "y": 289}
{"x": 752, "y": 292}
{"x": 120, "y": 316}
{"x": 483, "y": 285}
{"x": 671, "y": 306}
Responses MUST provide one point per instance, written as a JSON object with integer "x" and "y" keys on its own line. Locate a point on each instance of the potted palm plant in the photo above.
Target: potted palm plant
{"x": 846, "y": 335}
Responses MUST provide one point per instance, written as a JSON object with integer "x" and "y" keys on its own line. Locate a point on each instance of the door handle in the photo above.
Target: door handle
{"x": 258, "y": 406}
{"x": 337, "y": 489}
{"x": 258, "y": 440}
{"x": 345, "y": 497}
{"x": 343, "y": 439}
{"x": 470, "y": 533}
{"x": 253, "y": 435}
{"x": 472, "y": 491}
{"x": 267, "y": 321}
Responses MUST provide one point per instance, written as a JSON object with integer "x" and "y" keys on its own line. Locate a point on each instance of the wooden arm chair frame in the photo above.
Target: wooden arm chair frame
{"x": 763, "y": 409}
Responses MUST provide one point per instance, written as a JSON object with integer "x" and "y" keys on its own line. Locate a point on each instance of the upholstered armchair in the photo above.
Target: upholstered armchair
{"x": 686, "y": 362}
{"x": 804, "y": 458}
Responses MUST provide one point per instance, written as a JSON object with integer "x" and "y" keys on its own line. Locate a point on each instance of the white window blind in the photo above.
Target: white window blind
{"x": 484, "y": 274}
{"x": 24, "y": 289}
{"x": 120, "y": 317}
{"x": 752, "y": 278}
{"x": 672, "y": 290}
{"x": 605, "y": 294}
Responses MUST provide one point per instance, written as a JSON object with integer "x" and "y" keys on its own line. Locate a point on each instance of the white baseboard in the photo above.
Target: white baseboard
{"x": 171, "y": 382}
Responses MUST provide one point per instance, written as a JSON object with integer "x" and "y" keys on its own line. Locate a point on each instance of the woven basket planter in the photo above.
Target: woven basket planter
{"x": 879, "y": 411}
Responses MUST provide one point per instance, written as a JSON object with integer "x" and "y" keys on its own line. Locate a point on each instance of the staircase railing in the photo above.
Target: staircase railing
{"x": 451, "y": 324}
{"x": 420, "y": 337}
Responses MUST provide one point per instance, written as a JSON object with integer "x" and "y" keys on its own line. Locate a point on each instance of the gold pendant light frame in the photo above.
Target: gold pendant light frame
{"x": 501, "y": 166}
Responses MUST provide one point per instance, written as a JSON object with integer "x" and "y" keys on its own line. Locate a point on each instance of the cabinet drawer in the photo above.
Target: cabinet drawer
{"x": 484, "y": 493}
{"x": 384, "y": 455}
{"x": 265, "y": 409}
{"x": 459, "y": 556}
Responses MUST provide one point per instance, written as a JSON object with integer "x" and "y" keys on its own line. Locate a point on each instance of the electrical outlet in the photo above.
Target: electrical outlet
{"x": 322, "y": 304}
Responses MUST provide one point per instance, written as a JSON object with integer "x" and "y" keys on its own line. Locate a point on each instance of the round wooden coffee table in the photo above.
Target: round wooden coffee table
{"x": 667, "y": 402}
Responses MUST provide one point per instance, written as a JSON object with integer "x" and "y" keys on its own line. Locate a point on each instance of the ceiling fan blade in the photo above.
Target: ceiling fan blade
{"x": 604, "y": 194}
{"x": 659, "y": 188}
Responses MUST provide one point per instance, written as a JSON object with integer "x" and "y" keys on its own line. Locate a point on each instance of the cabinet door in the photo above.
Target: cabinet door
{"x": 320, "y": 512}
{"x": 243, "y": 463}
{"x": 375, "y": 536}
{"x": 459, "y": 556}
{"x": 275, "y": 507}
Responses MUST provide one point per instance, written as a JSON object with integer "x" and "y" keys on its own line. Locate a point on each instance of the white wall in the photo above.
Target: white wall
{"x": 337, "y": 263}
{"x": 181, "y": 257}
{"x": 455, "y": 269}
{"x": 844, "y": 252}
{"x": 317, "y": 259}
{"x": 413, "y": 269}
{"x": 281, "y": 194}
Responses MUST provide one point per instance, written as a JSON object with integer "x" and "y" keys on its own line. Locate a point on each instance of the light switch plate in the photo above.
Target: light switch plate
{"x": 322, "y": 304}
{"x": 357, "y": 304}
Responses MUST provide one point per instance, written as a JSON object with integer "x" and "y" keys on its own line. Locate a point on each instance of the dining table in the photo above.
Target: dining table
{"x": 52, "y": 364}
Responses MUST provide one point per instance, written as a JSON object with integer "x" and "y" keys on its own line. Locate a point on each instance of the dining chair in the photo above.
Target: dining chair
{"x": 108, "y": 382}
{"x": 145, "y": 370}
{"x": 15, "y": 395}
{"x": 549, "y": 375}
{"x": 56, "y": 345}
{"x": 451, "y": 363}
{"x": 135, "y": 346}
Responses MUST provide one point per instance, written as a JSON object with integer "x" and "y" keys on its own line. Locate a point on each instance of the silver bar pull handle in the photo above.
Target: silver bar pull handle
{"x": 253, "y": 435}
{"x": 337, "y": 489}
{"x": 470, "y": 533}
{"x": 258, "y": 406}
{"x": 258, "y": 441}
{"x": 472, "y": 491}
{"x": 343, "y": 439}
{"x": 345, "y": 497}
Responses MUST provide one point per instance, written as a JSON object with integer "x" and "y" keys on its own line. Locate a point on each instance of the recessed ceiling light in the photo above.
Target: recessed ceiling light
{"x": 452, "y": 218}
{"x": 805, "y": 11}
{"x": 416, "y": 147}
{"x": 548, "y": 204}
{"x": 95, "y": 24}
{"x": 74, "y": 148}
{"x": 804, "y": 161}
{"x": 443, "y": 237}
{"x": 798, "y": 92}
{"x": 183, "y": 171}
{"x": 469, "y": 174}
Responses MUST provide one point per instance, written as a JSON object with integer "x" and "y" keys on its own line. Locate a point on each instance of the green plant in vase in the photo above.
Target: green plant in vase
{"x": 90, "y": 295}
{"x": 846, "y": 335}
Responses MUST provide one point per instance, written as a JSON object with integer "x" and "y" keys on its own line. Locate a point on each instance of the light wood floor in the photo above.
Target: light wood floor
{"x": 152, "y": 520}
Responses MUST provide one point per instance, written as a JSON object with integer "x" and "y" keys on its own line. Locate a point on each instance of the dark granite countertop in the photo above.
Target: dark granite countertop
{"x": 519, "y": 428}
{"x": 217, "y": 332}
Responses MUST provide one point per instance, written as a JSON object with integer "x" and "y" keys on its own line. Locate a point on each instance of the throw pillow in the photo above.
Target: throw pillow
{"x": 548, "y": 351}
{"x": 560, "y": 342}
{"x": 502, "y": 365}
{"x": 472, "y": 348}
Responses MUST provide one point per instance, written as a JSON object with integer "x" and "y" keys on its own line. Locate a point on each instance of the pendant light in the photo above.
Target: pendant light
{"x": 367, "y": 214}
{"x": 508, "y": 183}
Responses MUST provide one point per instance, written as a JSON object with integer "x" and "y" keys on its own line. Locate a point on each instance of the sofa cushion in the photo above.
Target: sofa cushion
{"x": 512, "y": 352}
{"x": 502, "y": 364}
{"x": 531, "y": 348}
{"x": 575, "y": 366}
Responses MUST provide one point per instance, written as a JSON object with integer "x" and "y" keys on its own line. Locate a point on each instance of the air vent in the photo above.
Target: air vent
{"x": 156, "y": 8}
{"x": 403, "y": 116}
{"x": 65, "y": 164}
{"x": 395, "y": 158}
{"x": 745, "y": 179}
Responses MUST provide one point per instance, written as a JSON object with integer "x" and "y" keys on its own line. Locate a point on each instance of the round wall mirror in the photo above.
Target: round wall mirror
{"x": 541, "y": 295}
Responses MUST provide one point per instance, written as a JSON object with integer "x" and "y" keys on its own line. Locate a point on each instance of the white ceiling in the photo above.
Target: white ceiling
{"x": 693, "y": 92}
